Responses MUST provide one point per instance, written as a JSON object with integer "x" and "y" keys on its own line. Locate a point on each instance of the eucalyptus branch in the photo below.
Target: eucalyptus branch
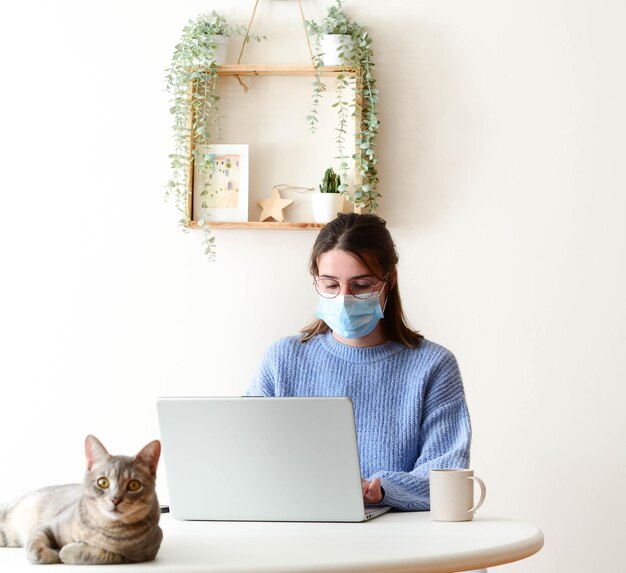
{"x": 192, "y": 81}
{"x": 359, "y": 57}
{"x": 318, "y": 86}
{"x": 209, "y": 243}
{"x": 342, "y": 114}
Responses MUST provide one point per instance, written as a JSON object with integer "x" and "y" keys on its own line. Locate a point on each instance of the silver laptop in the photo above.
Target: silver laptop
{"x": 262, "y": 459}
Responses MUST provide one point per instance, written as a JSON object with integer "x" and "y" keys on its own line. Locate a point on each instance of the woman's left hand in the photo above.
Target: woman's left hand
{"x": 372, "y": 492}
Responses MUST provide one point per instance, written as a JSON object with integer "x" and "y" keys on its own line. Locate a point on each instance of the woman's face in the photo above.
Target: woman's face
{"x": 345, "y": 268}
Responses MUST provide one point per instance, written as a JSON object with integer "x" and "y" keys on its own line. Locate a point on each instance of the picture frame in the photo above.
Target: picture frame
{"x": 222, "y": 194}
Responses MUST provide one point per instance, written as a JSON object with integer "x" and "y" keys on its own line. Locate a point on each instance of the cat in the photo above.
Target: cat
{"x": 112, "y": 517}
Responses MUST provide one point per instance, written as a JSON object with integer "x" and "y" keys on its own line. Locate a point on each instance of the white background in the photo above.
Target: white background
{"x": 502, "y": 173}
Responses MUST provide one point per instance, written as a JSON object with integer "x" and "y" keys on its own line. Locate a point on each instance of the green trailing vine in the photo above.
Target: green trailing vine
{"x": 359, "y": 57}
{"x": 192, "y": 82}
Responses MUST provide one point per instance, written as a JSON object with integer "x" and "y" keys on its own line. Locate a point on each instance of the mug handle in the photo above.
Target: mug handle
{"x": 483, "y": 493}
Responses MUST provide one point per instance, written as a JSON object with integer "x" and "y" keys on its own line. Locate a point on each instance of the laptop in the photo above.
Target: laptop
{"x": 262, "y": 459}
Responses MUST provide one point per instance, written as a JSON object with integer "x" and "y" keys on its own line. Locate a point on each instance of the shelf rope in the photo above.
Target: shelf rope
{"x": 246, "y": 38}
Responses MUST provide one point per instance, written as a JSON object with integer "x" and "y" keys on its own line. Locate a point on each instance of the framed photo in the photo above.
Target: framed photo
{"x": 220, "y": 193}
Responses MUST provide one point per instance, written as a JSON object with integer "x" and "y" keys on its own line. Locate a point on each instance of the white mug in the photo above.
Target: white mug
{"x": 452, "y": 495}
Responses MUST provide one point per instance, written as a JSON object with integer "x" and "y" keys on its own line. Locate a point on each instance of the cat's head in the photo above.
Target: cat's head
{"x": 120, "y": 488}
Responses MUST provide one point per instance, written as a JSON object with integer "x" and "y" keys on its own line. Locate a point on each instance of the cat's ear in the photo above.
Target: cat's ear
{"x": 94, "y": 451}
{"x": 150, "y": 455}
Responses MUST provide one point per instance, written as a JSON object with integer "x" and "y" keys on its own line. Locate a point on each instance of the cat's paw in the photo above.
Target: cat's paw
{"x": 40, "y": 546}
{"x": 74, "y": 553}
{"x": 42, "y": 555}
{"x": 80, "y": 553}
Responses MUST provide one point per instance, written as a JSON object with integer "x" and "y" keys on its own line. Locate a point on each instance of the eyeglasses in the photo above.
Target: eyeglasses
{"x": 362, "y": 288}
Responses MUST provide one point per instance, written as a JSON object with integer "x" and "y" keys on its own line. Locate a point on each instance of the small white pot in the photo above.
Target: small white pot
{"x": 326, "y": 206}
{"x": 329, "y": 46}
{"x": 221, "y": 49}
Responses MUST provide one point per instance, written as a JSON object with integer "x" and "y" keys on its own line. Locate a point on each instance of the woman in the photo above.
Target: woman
{"x": 408, "y": 396}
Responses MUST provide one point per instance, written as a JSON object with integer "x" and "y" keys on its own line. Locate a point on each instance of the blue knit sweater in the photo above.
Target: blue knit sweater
{"x": 409, "y": 405}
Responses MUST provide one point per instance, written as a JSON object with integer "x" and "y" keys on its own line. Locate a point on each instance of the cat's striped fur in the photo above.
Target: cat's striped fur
{"x": 112, "y": 517}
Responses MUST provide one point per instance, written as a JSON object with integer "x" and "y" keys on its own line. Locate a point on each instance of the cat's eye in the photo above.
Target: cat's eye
{"x": 103, "y": 483}
{"x": 134, "y": 485}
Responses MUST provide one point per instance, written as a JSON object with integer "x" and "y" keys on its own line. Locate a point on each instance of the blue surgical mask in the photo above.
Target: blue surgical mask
{"x": 348, "y": 316}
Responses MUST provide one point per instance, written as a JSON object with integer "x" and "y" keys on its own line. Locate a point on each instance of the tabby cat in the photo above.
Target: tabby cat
{"x": 112, "y": 517}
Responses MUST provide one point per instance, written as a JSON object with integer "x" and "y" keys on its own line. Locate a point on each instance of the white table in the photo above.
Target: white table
{"x": 396, "y": 542}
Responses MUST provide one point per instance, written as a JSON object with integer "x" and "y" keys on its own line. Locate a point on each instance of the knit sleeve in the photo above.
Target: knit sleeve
{"x": 445, "y": 437}
{"x": 263, "y": 382}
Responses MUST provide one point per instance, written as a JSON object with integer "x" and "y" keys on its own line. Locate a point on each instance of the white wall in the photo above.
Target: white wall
{"x": 501, "y": 138}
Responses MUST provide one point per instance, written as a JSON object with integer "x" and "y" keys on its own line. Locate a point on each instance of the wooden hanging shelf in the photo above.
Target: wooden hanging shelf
{"x": 281, "y": 70}
{"x": 248, "y": 70}
{"x": 270, "y": 225}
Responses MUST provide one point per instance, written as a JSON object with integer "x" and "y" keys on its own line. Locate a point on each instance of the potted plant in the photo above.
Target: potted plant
{"x": 329, "y": 201}
{"x": 357, "y": 55}
{"x": 192, "y": 83}
{"x": 333, "y": 37}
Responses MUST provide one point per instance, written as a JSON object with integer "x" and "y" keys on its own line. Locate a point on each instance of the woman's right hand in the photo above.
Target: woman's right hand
{"x": 372, "y": 491}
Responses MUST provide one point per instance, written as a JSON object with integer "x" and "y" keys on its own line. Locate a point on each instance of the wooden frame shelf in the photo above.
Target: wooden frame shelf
{"x": 249, "y": 70}
{"x": 271, "y": 225}
{"x": 282, "y": 70}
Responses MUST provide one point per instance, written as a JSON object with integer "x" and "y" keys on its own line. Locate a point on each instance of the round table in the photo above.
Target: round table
{"x": 394, "y": 542}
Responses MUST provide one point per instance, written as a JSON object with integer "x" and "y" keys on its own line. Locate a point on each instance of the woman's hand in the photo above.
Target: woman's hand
{"x": 372, "y": 492}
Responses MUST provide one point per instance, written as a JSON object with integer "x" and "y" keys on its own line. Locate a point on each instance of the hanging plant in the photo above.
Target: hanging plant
{"x": 192, "y": 82}
{"x": 356, "y": 53}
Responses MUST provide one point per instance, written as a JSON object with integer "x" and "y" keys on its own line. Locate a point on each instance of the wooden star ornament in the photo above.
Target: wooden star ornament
{"x": 273, "y": 206}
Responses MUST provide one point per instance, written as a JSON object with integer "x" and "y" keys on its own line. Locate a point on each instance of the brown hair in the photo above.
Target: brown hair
{"x": 366, "y": 237}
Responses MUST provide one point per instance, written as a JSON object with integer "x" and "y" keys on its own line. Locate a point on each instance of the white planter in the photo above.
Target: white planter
{"x": 326, "y": 206}
{"x": 330, "y": 44}
{"x": 221, "y": 49}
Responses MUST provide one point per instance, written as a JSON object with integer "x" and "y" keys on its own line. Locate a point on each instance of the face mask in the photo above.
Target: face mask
{"x": 348, "y": 316}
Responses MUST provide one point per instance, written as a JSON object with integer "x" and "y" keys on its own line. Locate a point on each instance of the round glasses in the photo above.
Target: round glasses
{"x": 362, "y": 288}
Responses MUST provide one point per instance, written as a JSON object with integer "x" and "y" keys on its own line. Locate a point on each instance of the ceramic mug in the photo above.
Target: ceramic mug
{"x": 452, "y": 495}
